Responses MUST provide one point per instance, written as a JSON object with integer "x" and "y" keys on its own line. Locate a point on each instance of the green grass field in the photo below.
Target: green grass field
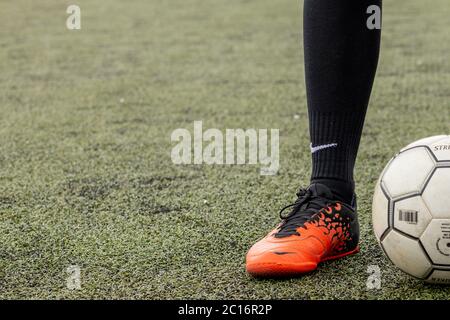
{"x": 86, "y": 176}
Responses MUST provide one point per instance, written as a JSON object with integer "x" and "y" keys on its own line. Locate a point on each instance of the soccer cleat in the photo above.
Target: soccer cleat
{"x": 318, "y": 228}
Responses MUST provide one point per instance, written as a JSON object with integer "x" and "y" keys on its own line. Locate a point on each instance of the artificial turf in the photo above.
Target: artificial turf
{"x": 86, "y": 176}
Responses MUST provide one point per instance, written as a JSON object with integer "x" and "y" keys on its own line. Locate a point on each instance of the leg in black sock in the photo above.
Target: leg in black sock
{"x": 341, "y": 56}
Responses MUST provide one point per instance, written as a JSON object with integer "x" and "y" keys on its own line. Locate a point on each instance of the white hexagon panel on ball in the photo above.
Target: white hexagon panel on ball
{"x": 436, "y": 241}
{"x": 408, "y": 172}
{"x": 380, "y": 212}
{"x": 441, "y": 149}
{"x": 437, "y": 194}
{"x": 407, "y": 254}
{"x": 411, "y": 216}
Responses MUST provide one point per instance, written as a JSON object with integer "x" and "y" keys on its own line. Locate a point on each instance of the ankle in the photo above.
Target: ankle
{"x": 343, "y": 190}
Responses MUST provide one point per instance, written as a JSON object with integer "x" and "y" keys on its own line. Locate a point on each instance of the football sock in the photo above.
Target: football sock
{"x": 341, "y": 46}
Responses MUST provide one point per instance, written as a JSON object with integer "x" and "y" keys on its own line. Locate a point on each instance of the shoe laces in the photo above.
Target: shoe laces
{"x": 306, "y": 205}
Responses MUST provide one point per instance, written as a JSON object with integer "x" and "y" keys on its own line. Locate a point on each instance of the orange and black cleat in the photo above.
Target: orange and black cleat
{"x": 318, "y": 228}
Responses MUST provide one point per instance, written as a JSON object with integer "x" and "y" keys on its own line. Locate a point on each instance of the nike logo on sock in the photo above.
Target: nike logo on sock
{"x": 322, "y": 147}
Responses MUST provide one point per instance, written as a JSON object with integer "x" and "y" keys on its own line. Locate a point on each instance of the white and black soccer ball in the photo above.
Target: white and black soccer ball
{"x": 411, "y": 209}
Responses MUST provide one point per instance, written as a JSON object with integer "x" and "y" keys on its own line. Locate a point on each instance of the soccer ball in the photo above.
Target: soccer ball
{"x": 411, "y": 209}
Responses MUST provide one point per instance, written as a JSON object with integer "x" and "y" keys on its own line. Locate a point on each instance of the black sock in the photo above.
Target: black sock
{"x": 341, "y": 56}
